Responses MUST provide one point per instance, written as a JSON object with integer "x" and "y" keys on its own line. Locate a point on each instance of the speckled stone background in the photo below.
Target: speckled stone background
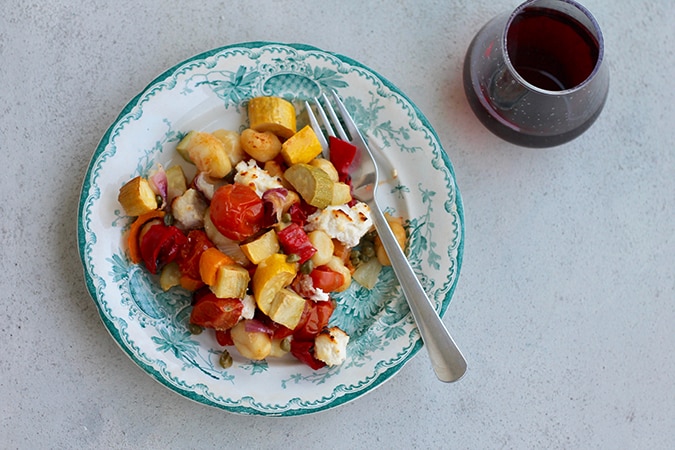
{"x": 565, "y": 306}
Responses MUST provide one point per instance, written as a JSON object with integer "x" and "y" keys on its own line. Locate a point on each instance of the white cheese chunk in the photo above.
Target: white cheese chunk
{"x": 344, "y": 223}
{"x": 249, "y": 174}
{"x": 248, "y": 311}
{"x": 330, "y": 346}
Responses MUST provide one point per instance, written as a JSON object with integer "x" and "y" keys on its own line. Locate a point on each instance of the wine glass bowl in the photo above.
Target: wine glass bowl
{"x": 536, "y": 77}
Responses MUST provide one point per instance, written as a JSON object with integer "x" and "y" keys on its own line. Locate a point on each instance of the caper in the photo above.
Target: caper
{"x": 168, "y": 219}
{"x": 285, "y": 344}
{"x": 225, "y": 360}
{"x": 355, "y": 257}
{"x": 368, "y": 250}
{"x": 195, "y": 329}
{"x": 286, "y": 217}
{"x": 307, "y": 267}
{"x": 292, "y": 258}
{"x": 160, "y": 200}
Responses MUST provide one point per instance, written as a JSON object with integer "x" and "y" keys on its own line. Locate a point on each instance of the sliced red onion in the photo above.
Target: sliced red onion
{"x": 274, "y": 200}
{"x": 159, "y": 183}
{"x": 256, "y": 326}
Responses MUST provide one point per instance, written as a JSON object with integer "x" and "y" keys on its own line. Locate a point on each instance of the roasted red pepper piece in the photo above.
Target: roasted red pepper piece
{"x": 161, "y": 245}
{"x": 304, "y": 352}
{"x": 218, "y": 313}
{"x": 341, "y": 155}
{"x": 314, "y": 319}
{"x": 188, "y": 258}
{"x": 294, "y": 240}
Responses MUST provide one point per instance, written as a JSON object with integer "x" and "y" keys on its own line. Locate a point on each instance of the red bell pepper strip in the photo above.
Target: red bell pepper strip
{"x": 341, "y": 155}
{"x": 304, "y": 351}
{"x": 298, "y": 215}
{"x": 161, "y": 245}
{"x": 294, "y": 240}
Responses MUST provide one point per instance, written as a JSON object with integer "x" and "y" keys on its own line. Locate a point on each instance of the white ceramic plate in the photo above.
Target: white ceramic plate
{"x": 208, "y": 92}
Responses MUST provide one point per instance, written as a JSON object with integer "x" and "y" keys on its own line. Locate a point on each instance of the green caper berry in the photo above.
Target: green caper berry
{"x": 225, "y": 360}
{"x": 355, "y": 257}
{"x": 370, "y": 236}
{"x": 168, "y": 219}
{"x": 285, "y": 217}
{"x": 307, "y": 267}
{"x": 368, "y": 251}
{"x": 292, "y": 258}
{"x": 195, "y": 329}
{"x": 285, "y": 344}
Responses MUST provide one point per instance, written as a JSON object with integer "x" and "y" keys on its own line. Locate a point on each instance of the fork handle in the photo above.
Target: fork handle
{"x": 447, "y": 360}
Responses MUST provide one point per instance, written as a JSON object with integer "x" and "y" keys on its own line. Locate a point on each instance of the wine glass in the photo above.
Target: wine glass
{"x": 536, "y": 77}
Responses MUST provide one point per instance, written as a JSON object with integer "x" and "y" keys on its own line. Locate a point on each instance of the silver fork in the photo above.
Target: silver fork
{"x": 447, "y": 360}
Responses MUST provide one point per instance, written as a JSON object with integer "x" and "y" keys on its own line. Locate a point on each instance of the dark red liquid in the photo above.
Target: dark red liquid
{"x": 551, "y": 50}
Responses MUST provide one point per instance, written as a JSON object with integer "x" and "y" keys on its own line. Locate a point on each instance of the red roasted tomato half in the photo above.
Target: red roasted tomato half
{"x": 237, "y": 211}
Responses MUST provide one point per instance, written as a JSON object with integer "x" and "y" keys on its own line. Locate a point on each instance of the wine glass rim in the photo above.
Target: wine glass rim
{"x": 595, "y": 29}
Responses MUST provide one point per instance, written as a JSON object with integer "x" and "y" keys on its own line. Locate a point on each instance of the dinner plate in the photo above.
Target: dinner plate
{"x": 208, "y": 92}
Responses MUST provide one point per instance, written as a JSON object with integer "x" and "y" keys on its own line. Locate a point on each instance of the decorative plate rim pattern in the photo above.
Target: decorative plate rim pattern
{"x": 298, "y": 68}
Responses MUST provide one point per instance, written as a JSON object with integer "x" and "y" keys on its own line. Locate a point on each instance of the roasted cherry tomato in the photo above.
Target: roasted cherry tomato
{"x": 304, "y": 352}
{"x": 314, "y": 319}
{"x": 237, "y": 211}
{"x": 160, "y": 245}
{"x": 325, "y": 279}
{"x": 218, "y": 313}
{"x": 188, "y": 257}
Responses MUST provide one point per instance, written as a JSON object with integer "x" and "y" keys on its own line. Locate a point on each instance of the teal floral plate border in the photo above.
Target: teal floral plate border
{"x": 210, "y": 91}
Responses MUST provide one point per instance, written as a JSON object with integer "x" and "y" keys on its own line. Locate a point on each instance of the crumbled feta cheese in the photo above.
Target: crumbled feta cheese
{"x": 248, "y": 311}
{"x": 330, "y": 346}
{"x": 189, "y": 210}
{"x": 344, "y": 223}
{"x": 249, "y": 174}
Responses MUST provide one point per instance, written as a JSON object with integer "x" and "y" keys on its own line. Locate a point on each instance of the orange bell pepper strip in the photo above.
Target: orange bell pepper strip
{"x": 135, "y": 230}
{"x": 210, "y": 262}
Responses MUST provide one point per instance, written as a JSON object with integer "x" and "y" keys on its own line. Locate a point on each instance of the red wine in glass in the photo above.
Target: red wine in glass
{"x": 536, "y": 77}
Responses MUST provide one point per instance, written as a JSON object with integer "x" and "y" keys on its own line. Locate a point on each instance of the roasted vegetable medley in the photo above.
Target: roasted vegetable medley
{"x": 262, "y": 235}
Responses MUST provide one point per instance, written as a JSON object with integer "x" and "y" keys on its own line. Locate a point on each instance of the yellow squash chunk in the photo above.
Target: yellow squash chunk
{"x": 342, "y": 194}
{"x": 231, "y": 281}
{"x": 261, "y": 247}
{"x": 327, "y": 166}
{"x": 272, "y": 114}
{"x": 137, "y": 197}
{"x": 182, "y": 146}
{"x": 313, "y": 184}
{"x": 272, "y": 275}
{"x": 170, "y": 276}
{"x": 302, "y": 147}
{"x": 176, "y": 182}
{"x": 287, "y": 308}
